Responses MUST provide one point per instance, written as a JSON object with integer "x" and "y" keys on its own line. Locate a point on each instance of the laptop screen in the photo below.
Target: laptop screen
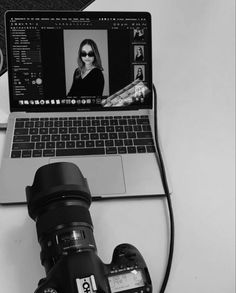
{"x": 79, "y": 60}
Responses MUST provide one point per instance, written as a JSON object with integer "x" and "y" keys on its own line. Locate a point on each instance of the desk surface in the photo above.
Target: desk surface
{"x": 194, "y": 72}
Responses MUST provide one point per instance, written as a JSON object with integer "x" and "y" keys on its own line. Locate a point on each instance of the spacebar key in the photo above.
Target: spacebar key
{"x": 80, "y": 152}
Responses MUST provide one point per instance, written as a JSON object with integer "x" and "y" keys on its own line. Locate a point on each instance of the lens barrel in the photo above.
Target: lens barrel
{"x": 59, "y": 202}
{"x": 53, "y": 182}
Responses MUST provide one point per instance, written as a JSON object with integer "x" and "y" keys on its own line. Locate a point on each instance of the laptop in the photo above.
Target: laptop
{"x": 80, "y": 87}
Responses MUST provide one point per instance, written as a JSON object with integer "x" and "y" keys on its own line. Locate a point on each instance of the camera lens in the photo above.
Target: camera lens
{"x": 59, "y": 202}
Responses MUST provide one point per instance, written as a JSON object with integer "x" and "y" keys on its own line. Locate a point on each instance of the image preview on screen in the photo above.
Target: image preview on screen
{"x": 46, "y": 78}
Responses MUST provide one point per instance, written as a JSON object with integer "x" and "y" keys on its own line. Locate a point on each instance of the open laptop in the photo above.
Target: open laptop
{"x": 80, "y": 86}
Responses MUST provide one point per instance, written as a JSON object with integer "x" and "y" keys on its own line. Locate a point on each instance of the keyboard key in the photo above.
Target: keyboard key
{"x": 131, "y": 149}
{"x": 29, "y": 124}
{"x": 90, "y": 143}
{"x": 81, "y": 129}
{"x": 144, "y": 134}
{"x": 110, "y": 129}
{"x": 60, "y": 144}
{"x": 48, "y": 153}
{"x": 53, "y": 130}
{"x": 55, "y": 137}
{"x": 122, "y": 122}
{"x": 48, "y": 123}
{"x": 62, "y": 130}
{"x": 33, "y": 131}
{"x": 128, "y": 142}
{"x": 119, "y": 142}
{"x": 50, "y": 145}
{"x": 21, "y": 131}
{"x": 80, "y": 152}
{"x": 75, "y": 136}
{"x": 72, "y": 130}
{"x": 105, "y": 122}
{"x": 139, "y": 127}
{"x": 103, "y": 136}
{"x": 19, "y": 124}
{"x": 40, "y": 145}
{"x": 129, "y": 128}
{"x": 111, "y": 150}
{"x": 101, "y": 129}
{"x": 84, "y": 136}
{"x": 26, "y": 154}
{"x": 113, "y": 135}
{"x": 15, "y": 154}
{"x": 21, "y": 138}
{"x": 147, "y": 141}
{"x": 35, "y": 138}
{"x": 80, "y": 144}
{"x": 65, "y": 137}
{"x": 37, "y": 153}
{"x": 122, "y": 135}
{"x": 143, "y": 121}
{"x": 45, "y": 137}
{"x": 23, "y": 146}
{"x": 120, "y": 128}
{"x": 77, "y": 123}
{"x": 131, "y": 135}
{"x": 151, "y": 149}
{"x": 70, "y": 144}
{"x": 145, "y": 128}
{"x": 109, "y": 142}
{"x": 96, "y": 122}
{"x": 43, "y": 131}
{"x": 67, "y": 123}
{"x": 86, "y": 123}
{"x": 141, "y": 149}
{"x": 94, "y": 136}
{"x": 91, "y": 129}
{"x": 99, "y": 143}
{"x": 114, "y": 122}
{"x": 39, "y": 124}
{"x": 131, "y": 121}
{"x": 122, "y": 150}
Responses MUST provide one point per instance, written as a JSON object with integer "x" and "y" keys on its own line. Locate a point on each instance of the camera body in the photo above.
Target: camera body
{"x": 84, "y": 272}
{"x": 59, "y": 202}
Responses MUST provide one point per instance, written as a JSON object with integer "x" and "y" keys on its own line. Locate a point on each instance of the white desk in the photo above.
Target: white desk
{"x": 194, "y": 67}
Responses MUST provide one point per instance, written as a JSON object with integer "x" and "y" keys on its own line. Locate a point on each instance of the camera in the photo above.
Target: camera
{"x": 58, "y": 201}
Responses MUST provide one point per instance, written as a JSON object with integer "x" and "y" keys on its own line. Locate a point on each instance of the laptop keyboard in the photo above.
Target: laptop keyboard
{"x": 72, "y": 136}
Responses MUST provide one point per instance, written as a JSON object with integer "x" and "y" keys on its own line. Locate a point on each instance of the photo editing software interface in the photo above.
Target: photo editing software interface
{"x": 79, "y": 62}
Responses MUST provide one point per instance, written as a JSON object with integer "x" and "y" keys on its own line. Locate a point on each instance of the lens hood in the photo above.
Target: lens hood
{"x": 56, "y": 181}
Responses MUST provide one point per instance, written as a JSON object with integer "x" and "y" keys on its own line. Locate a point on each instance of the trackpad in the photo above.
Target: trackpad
{"x": 104, "y": 174}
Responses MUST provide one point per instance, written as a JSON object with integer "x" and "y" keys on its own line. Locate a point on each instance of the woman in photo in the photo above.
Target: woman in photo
{"x": 139, "y": 54}
{"x": 139, "y": 74}
{"x": 88, "y": 79}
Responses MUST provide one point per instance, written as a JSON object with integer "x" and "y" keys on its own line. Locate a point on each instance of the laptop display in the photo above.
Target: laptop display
{"x": 64, "y": 61}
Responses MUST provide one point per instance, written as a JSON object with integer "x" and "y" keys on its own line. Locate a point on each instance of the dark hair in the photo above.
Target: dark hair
{"x": 97, "y": 59}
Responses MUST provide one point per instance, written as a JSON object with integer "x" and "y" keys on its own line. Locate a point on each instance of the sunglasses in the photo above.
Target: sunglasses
{"x": 89, "y": 54}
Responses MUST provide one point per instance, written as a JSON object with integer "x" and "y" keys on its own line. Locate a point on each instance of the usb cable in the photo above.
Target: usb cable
{"x": 168, "y": 198}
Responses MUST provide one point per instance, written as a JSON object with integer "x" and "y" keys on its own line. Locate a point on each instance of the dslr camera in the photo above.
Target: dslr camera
{"x": 59, "y": 202}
